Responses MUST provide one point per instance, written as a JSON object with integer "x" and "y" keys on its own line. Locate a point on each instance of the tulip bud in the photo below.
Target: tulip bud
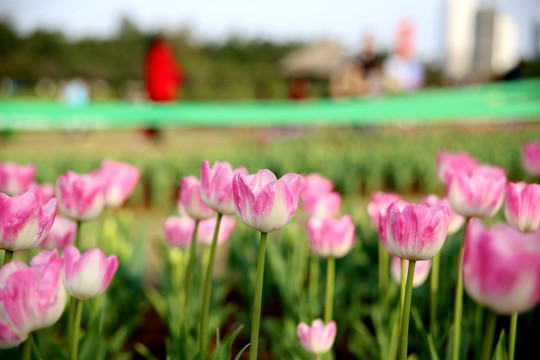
{"x": 179, "y": 231}
{"x": 80, "y": 197}
{"x": 205, "y": 233}
{"x": 216, "y": 186}
{"x": 421, "y": 271}
{"x": 190, "y": 198}
{"x": 448, "y": 163}
{"x": 522, "y": 206}
{"x": 331, "y": 238}
{"x": 15, "y": 178}
{"x": 319, "y": 338}
{"x": 531, "y": 158}
{"x": 119, "y": 180}
{"x": 62, "y": 234}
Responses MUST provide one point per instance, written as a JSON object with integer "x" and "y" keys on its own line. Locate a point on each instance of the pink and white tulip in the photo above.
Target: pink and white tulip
{"x": 87, "y": 275}
{"x": 317, "y": 338}
{"x": 329, "y": 237}
{"x": 421, "y": 271}
{"x": 205, "y": 234}
{"x": 415, "y": 231}
{"x": 377, "y": 209}
{"x": 24, "y": 222}
{"x": 501, "y": 268}
{"x": 448, "y": 163}
{"x": 478, "y": 194}
{"x": 317, "y": 197}
{"x": 80, "y": 197}
{"x": 61, "y": 234}
{"x": 31, "y": 298}
{"x": 15, "y": 178}
{"x": 179, "y": 231}
{"x": 190, "y": 198}
{"x": 531, "y": 158}
{"x": 455, "y": 221}
{"x": 119, "y": 180}
{"x": 216, "y": 186}
{"x": 265, "y": 203}
{"x": 46, "y": 192}
{"x": 522, "y": 206}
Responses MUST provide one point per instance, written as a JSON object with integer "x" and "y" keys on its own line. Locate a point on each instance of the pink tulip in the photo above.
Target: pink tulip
{"x": 522, "y": 206}
{"x": 190, "y": 198}
{"x": 455, "y": 221}
{"x": 216, "y": 186}
{"x": 15, "y": 178}
{"x": 479, "y": 193}
{"x": 448, "y": 163}
{"x": 31, "y": 298}
{"x": 46, "y": 192}
{"x": 421, "y": 271}
{"x": 501, "y": 268}
{"x": 319, "y": 338}
{"x": 119, "y": 179}
{"x": 415, "y": 232}
{"x": 24, "y": 222}
{"x": 80, "y": 197}
{"x": 331, "y": 238}
{"x": 179, "y": 231}
{"x": 531, "y": 158}
{"x": 87, "y": 275}
{"x": 264, "y": 203}
{"x": 205, "y": 233}
{"x": 62, "y": 234}
{"x": 377, "y": 207}
{"x": 318, "y": 198}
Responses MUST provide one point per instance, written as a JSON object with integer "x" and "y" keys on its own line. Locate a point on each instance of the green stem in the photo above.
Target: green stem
{"x": 71, "y": 315}
{"x": 458, "y": 310}
{"x": 255, "y": 322}
{"x": 78, "y": 235}
{"x": 512, "y": 336}
{"x": 189, "y": 272}
{"x": 383, "y": 269}
{"x": 402, "y": 285}
{"x": 8, "y": 255}
{"x": 76, "y": 328}
{"x": 203, "y": 334}
{"x": 318, "y": 357}
{"x": 435, "y": 266}
{"x": 313, "y": 282}
{"x": 27, "y": 348}
{"x": 489, "y": 335}
{"x": 330, "y": 275}
{"x": 406, "y": 312}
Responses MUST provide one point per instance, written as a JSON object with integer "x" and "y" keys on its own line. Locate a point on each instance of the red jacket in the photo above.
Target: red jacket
{"x": 163, "y": 75}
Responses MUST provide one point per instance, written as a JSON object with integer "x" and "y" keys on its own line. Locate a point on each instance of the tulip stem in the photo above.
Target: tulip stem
{"x": 512, "y": 336}
{"x": 402, "y": 285}
{"x": 330, "y": 275}
{"x": 318, "y": 357}
{"x": 255, "y": 322}
{"x": 489, "y": 335}
{"x": 383, "y": 269}
{"x": 406, "y": 312}
{"x": 8, "y": 255}
{"x": 313, "y": 283}
{"x": 78, "y": 235}
{"x": 71, "y": 315}
{"x": 189, "y": 272}
{"x": 435, "y": 266}
{"x": 27, "y": 348}
{"x": 458, "y": 310}
{"x": 203, "y": 334}
{"x": 76, "y": 328}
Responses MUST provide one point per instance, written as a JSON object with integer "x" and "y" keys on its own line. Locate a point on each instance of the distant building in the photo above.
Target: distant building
{"x": 536, "y": 36}
{"x": 459, "y": 42}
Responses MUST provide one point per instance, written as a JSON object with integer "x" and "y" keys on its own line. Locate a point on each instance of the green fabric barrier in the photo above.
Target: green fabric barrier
{"x": 496, "y": 102}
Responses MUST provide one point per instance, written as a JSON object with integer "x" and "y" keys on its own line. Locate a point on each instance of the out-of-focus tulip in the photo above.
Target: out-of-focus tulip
{"x": 264, "y": 203}
{"x": 24, "y": 222}
{"x": 531, "y": 158}
{"x": 15, "y": 178}
{"x": 179, "y": 231}
{"x": 216, "y": 186}
{"x": 448, "y": 163}
{"x": 206, "y": 230}
{"x": 46, "y": 192}
{"x": 317, "y": 338}
{"x": 478, "y": 194}
{"x": 314, "y": 186}
{"x": 31, "y": 298}
{"x": 190, "y": 197}
{"x": 317, "y": 197}
{"x": 119, "y": 180}
{"x": 377, "y": 208}
{"x": 421, "y": 271}
{"x": 62, "y": 234}
{"x": 522, "y": 206}
{"x": 455, "y": 221}
{"x": 329, "y": 237}
{"x": 501, "y": 268}
{"x": 87, "y": 275}
{"x": 415, "y": 231}
{"x": 80, "y": 197}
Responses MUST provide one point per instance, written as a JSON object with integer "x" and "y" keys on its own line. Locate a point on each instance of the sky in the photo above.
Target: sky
{"x": 279, "y": 20}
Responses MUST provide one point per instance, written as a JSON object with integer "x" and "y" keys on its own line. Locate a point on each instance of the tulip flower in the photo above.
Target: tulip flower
{"x": 421, "y": 271}
{"x": 531, "y": 158}
{"x": 448, "y": 163}
{"x": 455, "y": 221}
{"x": 46, "y": 192}
{"x": 190, "y": 198}
{"x": 478, "y": 193}
{"x": 31, "y": 298}
{"x": 15, "y": 178}
{"x": 314, "y": 186}
{"x": 317, "y": 338}
{"x": 179, "y": 231}
{"x": 80, "y": 197}
{"x": 119, "y": 180}
{"x": 62, "y": 234}
{"x": 331, "y": 238}
{"x": 207, "y": 230}
{"x": 522, "y": 206}
{"x": 317, "y": 197}
{"x": 216, "y": 186}
{"x": 24, "y": 222}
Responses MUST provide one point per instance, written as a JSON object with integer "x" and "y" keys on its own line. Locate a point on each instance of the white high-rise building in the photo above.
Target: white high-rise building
{"x": 460, "y": 38}
{"x": 505, "y": 53}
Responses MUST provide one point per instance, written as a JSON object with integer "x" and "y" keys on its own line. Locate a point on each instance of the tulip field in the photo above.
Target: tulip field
{"x": 271, "y": 243}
